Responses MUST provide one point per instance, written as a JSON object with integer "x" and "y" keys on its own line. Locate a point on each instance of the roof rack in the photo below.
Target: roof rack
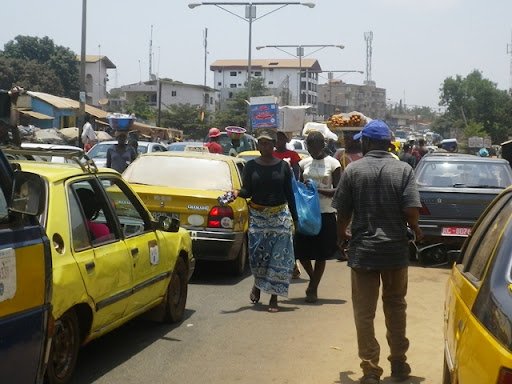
{"x": 77, "y": 156}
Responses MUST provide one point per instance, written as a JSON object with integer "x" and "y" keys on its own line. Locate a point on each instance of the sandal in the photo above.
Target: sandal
{"x": 272, "y": 305}
{"x": 255, "y": 295}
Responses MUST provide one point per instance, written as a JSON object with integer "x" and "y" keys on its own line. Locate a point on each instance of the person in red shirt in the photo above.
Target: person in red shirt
{"x": 213, "y": 145}
{"x": 283, "y": 153}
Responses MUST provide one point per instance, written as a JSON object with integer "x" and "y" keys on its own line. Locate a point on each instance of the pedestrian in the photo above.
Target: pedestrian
{"x": 352, "y": 150}
{"x": 88, "y": 137}
{"x": 267, "y": 181}
{"x": 324, "y": 171}
{"x": 420, "y": 150}
{"x": 213, "y": 143}
{"x": 120, "y": 156}
{"x": 282, "y": 152}
{"x": 407, "y": 156}
{"x": 380, "y": 196}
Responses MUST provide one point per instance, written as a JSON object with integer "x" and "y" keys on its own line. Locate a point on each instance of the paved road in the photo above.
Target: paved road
{"x": 225, "y": 339}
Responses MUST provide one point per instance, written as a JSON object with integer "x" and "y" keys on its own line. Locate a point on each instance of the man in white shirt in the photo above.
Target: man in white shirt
{"x": 88, "y": 135}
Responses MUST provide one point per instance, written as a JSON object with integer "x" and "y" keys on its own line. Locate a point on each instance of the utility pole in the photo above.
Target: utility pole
{"x": 368, "y": 36}
{"x": 151, "y": 54}
{"x": 509, "y": 50}
{"x": 205, "y": 44}
{"x": 83, "y": 95}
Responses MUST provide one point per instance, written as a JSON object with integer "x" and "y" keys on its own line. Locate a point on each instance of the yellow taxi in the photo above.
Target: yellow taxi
{"x": 111, "y": 260}
{"x": 188, "y": 185}
{"x": 478, "y": 310}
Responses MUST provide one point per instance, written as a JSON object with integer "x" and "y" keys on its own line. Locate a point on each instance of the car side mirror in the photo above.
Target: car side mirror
{"x": 27, "y": 194}
{"x": 168, "y": 224}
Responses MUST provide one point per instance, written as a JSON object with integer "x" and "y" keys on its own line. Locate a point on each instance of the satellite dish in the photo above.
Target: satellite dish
{"x": 103, "y": 101}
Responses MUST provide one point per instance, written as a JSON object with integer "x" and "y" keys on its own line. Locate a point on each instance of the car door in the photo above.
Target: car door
{"x": 104, "y": 263}
{"x": 464, "y": 333}
{"x": 148, "y": 270}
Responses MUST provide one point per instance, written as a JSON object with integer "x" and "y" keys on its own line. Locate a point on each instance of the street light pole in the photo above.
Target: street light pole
{"x": 82, "y": 94}
{"x": 250, "y": 16}
{"x": 299, "y": 55}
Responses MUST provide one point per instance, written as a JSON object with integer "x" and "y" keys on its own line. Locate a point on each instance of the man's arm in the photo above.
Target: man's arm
{"x": 412, "y": 215}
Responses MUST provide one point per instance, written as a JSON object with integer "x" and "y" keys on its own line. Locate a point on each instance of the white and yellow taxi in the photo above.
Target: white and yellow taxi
{"x": 111, "y": 260}
{"x": 478, "y": 305}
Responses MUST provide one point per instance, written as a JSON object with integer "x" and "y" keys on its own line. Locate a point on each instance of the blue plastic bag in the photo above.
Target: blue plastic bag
{"x": 307, "y": 202}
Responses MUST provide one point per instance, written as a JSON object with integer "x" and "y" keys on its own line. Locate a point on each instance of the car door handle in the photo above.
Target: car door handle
{"x": 135, "y": 251}
{"x": 90, "y": 266}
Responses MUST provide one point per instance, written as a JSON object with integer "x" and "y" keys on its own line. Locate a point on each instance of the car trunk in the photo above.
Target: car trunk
{"x": 189, "y": 205}
{"x": 455, "y": 205}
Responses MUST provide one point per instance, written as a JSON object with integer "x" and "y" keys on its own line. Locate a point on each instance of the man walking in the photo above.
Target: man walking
{"x": 380, "y": 196}
{"x": 407, "y": 156}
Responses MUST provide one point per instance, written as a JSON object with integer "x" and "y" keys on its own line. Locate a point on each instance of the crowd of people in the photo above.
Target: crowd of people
{"x": 368, "y": 201}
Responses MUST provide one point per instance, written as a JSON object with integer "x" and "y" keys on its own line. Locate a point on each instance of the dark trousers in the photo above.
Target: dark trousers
{"x": 365, "y": 293}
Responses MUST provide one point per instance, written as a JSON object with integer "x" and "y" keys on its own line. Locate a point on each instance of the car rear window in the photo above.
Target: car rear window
{"x": 180, "y": 172}
{"x": 463, "y": 174}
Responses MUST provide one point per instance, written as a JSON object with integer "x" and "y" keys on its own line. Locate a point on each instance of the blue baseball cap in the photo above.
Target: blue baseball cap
{"x": 375, "y": 129}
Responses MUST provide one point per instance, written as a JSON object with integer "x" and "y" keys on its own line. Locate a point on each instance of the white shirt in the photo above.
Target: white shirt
{"x": 320, "y": 171}
{"x": 88, "y": 133}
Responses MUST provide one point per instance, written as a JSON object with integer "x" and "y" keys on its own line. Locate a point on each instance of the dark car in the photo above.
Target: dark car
{"x": 455, "y": 189}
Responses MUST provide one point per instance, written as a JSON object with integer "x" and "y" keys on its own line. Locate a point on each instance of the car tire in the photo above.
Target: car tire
{"x": 64, "y": 349}
{"x": 447, "y": 377}
{"x": 177, "y": 290}
{"x": 238, "y": 265}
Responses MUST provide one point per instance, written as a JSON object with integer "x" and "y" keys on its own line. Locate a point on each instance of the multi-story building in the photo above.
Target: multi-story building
{"x": 293, "y": 81}
{"x": 337, "y": 95}
{"x": 166, "y": 92}
{"x": 96, "y": 78}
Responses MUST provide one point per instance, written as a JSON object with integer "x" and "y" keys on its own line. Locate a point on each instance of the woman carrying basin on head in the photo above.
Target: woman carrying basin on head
{"x": 267, "y": 180}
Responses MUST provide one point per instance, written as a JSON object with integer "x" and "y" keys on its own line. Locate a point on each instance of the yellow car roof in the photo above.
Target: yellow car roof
{"x": 55, "y": 171}
{"x": 248, "y": 153}
{"x": 200, "y": 155}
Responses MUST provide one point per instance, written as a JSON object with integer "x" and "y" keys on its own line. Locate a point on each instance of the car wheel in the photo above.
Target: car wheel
{"x": 177, "y": 293}
{"x": 447, "y": 379}
{"x": 238, "y": 265}
{"x": 64, "y": 349}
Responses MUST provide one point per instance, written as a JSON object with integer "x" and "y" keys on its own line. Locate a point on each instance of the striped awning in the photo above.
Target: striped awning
{"x": 37, "y": 115}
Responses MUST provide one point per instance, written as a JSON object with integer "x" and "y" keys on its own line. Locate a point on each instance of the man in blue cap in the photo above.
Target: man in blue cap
{"x": 378, "y": 198}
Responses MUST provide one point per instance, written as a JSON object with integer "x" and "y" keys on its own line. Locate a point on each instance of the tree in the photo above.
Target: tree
{"x": 475, "y": 99}
{"x": 185, "y": 117}
{"x": 58, "y": 59}
{"x": 140, "y": 108}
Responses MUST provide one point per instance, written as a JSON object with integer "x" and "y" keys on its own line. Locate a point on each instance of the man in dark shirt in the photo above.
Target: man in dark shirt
{"x": 407, "y": 156}
{"x": 380, "y": 196}
{"x": 120, "y": 156}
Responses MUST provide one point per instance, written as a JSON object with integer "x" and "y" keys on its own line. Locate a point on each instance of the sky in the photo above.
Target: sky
{"x": 416, "y": 44}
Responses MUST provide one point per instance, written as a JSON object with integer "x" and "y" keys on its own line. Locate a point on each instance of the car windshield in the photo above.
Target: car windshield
{"x": 463, "y": 174}
{"x": 180, "y": 172}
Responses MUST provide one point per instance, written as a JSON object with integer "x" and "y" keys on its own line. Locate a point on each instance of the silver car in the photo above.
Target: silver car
{"x": 455, "y": 189}
{"x": 99, "y": 152}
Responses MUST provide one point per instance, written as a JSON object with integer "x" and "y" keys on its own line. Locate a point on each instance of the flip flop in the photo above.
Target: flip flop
{"x": 272, "y": 306}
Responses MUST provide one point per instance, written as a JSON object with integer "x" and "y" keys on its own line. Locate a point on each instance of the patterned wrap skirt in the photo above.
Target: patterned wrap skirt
{"x": 271, "y": 254}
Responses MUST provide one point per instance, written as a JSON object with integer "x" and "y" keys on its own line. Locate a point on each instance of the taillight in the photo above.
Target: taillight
{"x": 505, "y": 376}
{"x": 424, "y": 210}
{"x": 220, "y": 217}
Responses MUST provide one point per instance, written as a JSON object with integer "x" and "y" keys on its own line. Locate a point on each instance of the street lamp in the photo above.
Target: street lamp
{"x": 250, "y": 16}
{"x": 82, "y": 94}
{"x": 299, "y": 55}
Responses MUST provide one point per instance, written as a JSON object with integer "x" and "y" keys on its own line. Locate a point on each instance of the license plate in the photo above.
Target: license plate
{"x": 456, "y": 231}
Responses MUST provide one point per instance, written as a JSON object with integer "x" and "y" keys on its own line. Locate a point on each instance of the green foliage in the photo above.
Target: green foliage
{"x": 474, "y": 129}
{"x": 58, "y": 60}
{"x": 236, "y": 110}
{"x": 475, "y": 99}
{"x": 140, "y": 108}
{"x": 185, "y": 117}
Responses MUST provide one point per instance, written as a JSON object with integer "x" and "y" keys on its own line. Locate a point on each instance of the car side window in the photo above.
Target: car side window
{"x": 132, "y": 216}
{"x": 88, "y": 219}
{"x": 482, "y": 242}
{"x": 4, "y": 212}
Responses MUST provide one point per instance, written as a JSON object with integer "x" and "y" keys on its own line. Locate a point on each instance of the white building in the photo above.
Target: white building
{"x": 281, "y": 77}
{"x": 171, "y": 93}
{"x": 96, "y": 77}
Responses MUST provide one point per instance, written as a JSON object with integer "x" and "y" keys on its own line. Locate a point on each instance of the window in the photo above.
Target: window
{"x": 270, "y": 83}
{"x": 173, "y": 93}
{"x": 230, "y": 95}
{"x": 232, "y": 85}
{"x": 271, "y": 69}
{"x": 132, "y": 216}
{"x": 257, "y": 73}
{"x": 479, "y": 247}
{"x": 220, "y": 70}
{"x": 232, "y": 73}
{"x": 219, "y": 84}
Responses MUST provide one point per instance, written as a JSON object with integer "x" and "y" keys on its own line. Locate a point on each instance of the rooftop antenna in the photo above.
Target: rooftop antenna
{"x": 509, "y": 50}
{"x": 151, "y": 54}
{"x": 368, "y": 36}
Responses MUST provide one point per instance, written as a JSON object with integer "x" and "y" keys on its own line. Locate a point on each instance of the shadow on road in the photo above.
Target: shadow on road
{"x": 102, "y": 355}
{"x": 345, "y": 379}
{"x": 216, "y": 273}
